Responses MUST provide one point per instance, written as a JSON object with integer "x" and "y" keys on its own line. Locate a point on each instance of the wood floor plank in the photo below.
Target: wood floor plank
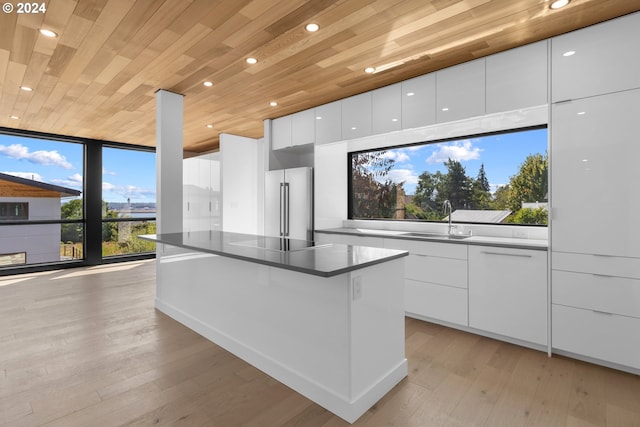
{"x": 86, "y": 347}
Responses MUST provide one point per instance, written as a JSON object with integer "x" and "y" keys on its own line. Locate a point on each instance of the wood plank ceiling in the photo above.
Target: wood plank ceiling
{"x": 98, "y": 77}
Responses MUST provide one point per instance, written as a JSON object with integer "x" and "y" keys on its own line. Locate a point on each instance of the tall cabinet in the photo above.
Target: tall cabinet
{"x": 595, "y": 240}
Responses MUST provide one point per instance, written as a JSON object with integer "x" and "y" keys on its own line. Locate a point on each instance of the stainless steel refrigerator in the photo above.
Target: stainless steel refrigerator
{"x": 289, "y": 203}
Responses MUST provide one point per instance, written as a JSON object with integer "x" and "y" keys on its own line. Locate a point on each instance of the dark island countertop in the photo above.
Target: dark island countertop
{"x": 290, "y": 254}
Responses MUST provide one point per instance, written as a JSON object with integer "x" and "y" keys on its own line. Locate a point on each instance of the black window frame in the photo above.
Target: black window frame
{"x": 92, "y": 205}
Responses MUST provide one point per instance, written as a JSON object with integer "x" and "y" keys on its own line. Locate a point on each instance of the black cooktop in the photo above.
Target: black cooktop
{"x": 277, "y": 243}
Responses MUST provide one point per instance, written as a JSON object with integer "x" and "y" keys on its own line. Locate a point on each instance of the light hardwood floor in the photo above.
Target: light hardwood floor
{"x": 85, "y": 347}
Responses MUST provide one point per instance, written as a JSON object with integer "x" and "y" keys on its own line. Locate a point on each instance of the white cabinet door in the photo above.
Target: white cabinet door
{"x": 436, "y": 302}
{"x": 508, "y": 292}
{"x": 517, "y": 78}
{"x": 281, "y": 133}
{"x": 356, "y": 116}
{"x": 419, "y": 101}
{"x": 460, "y": 91}
{"x": 328, "y": 122}
{"x": 603, "y": 336}
{"x": 595, "y": 173}
{"x": 386, "y": 109}
{"x": 303, "y": 128}
{"x": 605, "y": 59}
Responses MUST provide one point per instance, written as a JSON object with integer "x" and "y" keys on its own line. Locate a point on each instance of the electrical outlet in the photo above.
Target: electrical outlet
{"x": 356, "y": 288}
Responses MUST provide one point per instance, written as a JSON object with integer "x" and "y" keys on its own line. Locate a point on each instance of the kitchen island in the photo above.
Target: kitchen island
{"x": 326, "y": 320}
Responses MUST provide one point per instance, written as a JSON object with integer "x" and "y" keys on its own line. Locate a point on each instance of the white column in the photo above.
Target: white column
{"x": 169, "y": 128}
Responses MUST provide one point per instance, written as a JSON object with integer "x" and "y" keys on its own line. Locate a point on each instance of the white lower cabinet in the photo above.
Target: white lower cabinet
{"x": 435, "y": 280}
{"x": 604, "y": 336}
{"x": 596, "y": 307}
{"x": 508, "y": 292}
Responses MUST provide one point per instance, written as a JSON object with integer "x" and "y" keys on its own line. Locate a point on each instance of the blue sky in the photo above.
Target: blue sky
{"x": 501, "y": 154}
{"x": 125, "y": 173}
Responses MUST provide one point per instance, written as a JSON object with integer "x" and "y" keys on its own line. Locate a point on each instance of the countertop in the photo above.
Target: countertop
{"x": 505, "y": 242}
{"x": 322, "y": 260}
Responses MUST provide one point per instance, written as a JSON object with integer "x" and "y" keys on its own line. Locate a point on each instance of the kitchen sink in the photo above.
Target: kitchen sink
{"x": 437, "y": 236}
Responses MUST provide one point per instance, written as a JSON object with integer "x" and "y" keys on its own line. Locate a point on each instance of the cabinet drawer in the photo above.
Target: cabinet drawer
{"x": 596, "y": 264}
{"x": 442, "y": 271}
{"x": 607, "y": 337}
{"x": 610, "y": 294}
{"x": 443, "y": 250}
{"x": 435, "y": 301}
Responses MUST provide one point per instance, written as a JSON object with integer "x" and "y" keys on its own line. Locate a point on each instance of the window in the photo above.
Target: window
{"x": 13, "y": 211}
{"x": 128, "y": 201}
{"x": 498, "y": 178}
{"x": 18, "y": 258}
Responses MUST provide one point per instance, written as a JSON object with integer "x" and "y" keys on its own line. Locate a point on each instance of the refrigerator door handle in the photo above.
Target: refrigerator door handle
{"x": 281, "y": 210}
{"x": 286, "y": 214}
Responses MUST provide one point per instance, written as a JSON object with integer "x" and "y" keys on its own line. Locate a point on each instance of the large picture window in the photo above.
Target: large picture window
{"x": 498, "y": 178}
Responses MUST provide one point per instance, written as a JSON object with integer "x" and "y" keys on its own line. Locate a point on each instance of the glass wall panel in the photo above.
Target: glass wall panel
{"x": 41, "y": 209}
{"x": 128, "y": 199}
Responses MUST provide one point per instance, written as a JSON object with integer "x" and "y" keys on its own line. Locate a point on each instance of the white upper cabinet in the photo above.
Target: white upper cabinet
{"x": 293, "y": 130}
{"x": 460, "y": 91}
{"x": 328, "y": 119}
{"x": 386, "y": 109}
{"x": 595, "y": 175}
{"x": 303, "y": 127}
{"x": 356, "y": 116}
{"x": 517, "y": 78}
{"x": 595, "y": 60}
{"x": 281, "y": 133}
{"x": 419, "y": 101}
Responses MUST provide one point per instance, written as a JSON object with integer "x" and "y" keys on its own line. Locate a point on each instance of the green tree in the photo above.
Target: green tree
{"x": 73, "y": 209}
{"x": 109, "y": 229}
{"x": 426, "y": 190}
{"x": 501, "y": 197}
{"x": 530, "y": 183}
{"x": 530, "y": 216}
{"x": 454, "y": 186}
{"x": 480, "y": 191}
{"x": 372, "y": 198}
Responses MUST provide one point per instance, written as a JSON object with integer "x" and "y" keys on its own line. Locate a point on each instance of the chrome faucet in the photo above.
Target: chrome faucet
{"x": 447, "y": 206}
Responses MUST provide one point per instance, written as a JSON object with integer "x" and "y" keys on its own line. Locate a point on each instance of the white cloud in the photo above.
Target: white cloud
{"x": 73, "y": 181}
{"x": 128, "y": 191}
{"x": 403, "y": 175}
{"x": 107, "y": 172}
{"x": 40, "y": 157}
{"x": 26, "y": 175}
{"x": 459, "y": 150}
{"x": 397, "y": 155}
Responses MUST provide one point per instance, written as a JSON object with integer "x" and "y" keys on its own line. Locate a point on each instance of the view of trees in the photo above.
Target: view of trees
{"x": 117, "y": 237}
{"x": 375, "y": 195}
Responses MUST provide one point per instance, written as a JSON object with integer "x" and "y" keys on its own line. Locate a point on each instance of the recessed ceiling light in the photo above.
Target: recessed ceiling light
{"x": 251, "y": 60}
{"x": 210, "y": 126}
{"x": 312, "y": 27}
{"x": 394, "y": 120}
{"x": 273, "y": 103}
{"x": 582, "y": 113}
{"x": 559, "y": 4}
{"x": 369, "y": 70}
{"x": 26, "y": 88}
{"x": 410, "y": 94}
{"x": 569, "y": 53}
{"x": 318, "y": 117}
{"x": 14, "y": 117}
{"x": 445, "y": 109}
{"x": 208, "y": 84}
{"x": 48, "y": 33}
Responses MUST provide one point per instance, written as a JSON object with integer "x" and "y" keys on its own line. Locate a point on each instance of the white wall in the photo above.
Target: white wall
{"x": 242, "y": 183}
{"x": 40, "y": 242}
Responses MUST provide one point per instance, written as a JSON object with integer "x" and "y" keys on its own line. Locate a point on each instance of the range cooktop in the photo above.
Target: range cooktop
{"x": 282, "y": 244}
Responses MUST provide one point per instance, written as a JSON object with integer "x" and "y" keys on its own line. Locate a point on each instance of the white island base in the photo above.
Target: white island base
{"x": 337, "y": 340}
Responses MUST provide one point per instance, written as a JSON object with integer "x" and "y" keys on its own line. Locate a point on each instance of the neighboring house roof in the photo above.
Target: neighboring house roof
{"x": 488, "y": 216}
{"x": 41, "y": 187}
